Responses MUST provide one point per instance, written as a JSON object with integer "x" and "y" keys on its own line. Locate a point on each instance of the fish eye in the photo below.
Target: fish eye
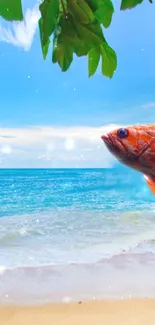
{"x": 122, "y": 133}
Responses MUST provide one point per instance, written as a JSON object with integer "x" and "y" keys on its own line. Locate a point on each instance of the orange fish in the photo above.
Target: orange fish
{"x": 134, "y": 146}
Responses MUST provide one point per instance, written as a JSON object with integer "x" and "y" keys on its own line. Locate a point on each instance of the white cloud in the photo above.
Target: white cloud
{"x": 149, "y": 105}
{"x": 79, "y": 146}
{"x": 22, "y": 33}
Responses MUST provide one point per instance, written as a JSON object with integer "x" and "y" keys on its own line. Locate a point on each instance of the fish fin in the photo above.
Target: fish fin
{"x": 151, "y": 183}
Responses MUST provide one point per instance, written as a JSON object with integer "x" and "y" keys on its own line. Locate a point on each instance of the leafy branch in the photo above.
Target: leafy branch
{"x": 77, "y": 28}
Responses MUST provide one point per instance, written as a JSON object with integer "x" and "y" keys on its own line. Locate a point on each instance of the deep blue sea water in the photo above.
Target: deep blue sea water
{"x": 75, "y": 233}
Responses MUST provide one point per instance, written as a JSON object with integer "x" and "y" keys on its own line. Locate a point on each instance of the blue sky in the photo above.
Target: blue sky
{"x": 35, "y": 93}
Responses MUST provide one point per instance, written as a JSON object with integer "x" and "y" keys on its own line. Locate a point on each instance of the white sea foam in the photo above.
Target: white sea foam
{"x": 67, "y": 236}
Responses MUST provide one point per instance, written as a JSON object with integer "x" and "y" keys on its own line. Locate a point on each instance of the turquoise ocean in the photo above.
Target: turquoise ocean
{"x": 75, "y": 234}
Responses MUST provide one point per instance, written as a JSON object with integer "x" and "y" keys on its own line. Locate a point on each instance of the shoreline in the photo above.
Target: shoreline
{"x": 122, "y": 277}
{"x": 107, "y": 312}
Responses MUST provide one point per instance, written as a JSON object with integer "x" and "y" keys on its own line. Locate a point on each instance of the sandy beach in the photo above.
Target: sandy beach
{"x": 127, "y": 312}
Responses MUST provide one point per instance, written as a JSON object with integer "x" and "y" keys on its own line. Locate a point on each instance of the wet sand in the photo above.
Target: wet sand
{"x": 118, "y": 312}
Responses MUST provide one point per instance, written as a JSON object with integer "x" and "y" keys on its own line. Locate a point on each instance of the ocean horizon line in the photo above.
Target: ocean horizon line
{"x": 58, "y": 168}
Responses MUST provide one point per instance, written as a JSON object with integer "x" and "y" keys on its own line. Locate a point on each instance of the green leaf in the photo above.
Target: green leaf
{"x": 54, "y": 57}
{"x": 81, "y": 48}
{"x": 11, "y": 9}
{"x": 93, "y": 60}
{"x": 62, "y": 45}
{"x": 91, "y": 34}
{"x": 151, "y": 1}
{"x": 109, "y": 60}
{"x": 62, "y": 53}
{"x": 49, "y": 11}
{"x": 79, "y": 36}
{"x": 68, "y": 28}
{"x": 80, "y": 11}
{"x": 94, "y": 4}
{"x": 104, "y": 13}
{"x": 127, "y": 4}
{"x": 46, "y": 46}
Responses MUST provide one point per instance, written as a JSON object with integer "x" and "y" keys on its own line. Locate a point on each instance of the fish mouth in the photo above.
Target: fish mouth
{"x": 121, "y": 151}
{"x": 110, "y": 143}
{"x": 107, "y": 139}
{"x": 117, "y": 148}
